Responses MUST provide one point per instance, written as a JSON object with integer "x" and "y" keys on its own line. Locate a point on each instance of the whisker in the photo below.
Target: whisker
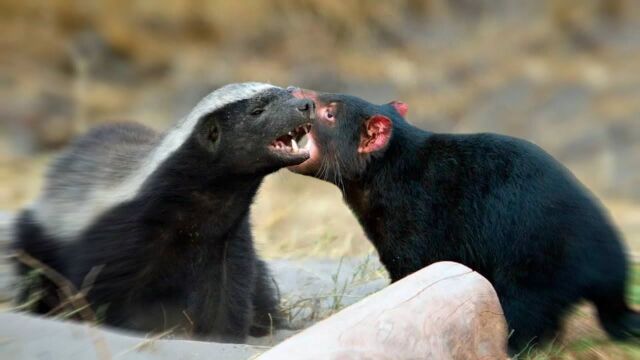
{"x": 323, "y": 170}
{"x": 339, "y": 172}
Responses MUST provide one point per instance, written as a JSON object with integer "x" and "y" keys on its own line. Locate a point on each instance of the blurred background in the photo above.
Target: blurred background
{"x": 564, "y": 74}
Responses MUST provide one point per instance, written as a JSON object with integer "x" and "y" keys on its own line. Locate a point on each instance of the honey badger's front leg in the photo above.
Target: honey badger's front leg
{"x": 266, "y": 311}
{"x": 231, "y": 297}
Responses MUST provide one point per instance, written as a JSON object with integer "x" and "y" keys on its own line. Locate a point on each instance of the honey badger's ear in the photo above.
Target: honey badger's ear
{"x": 375, "y": 134}
{"x": 209, "y": 132}
{"x": 400, "y": 107}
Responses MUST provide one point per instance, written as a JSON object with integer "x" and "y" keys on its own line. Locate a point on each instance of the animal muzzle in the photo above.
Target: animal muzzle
{"x": 306, "y": 107}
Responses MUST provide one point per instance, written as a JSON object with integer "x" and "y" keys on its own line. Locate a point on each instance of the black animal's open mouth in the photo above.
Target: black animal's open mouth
{"x": 294, "y": 142}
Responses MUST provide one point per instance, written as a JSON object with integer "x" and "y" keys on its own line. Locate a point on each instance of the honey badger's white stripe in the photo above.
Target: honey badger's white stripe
{"x": 180, "y": 133}
{"x": 64, "y": 217}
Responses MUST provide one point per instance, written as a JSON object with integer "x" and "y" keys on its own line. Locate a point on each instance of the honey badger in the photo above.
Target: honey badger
{"x": 165, "y": 218}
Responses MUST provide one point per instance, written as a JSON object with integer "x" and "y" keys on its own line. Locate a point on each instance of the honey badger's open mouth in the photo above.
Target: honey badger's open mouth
{"x": 293, "y": 142}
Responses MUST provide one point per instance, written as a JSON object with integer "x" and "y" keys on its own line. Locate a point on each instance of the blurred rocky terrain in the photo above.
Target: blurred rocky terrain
{"x": 564, "y": 74}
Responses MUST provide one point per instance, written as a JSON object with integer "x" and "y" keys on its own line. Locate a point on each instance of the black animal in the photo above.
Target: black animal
{"x": 163, "y": 221}
{"x": 500, "y": 205}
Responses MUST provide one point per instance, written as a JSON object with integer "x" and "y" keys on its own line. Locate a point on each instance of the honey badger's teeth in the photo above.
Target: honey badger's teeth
{"x": 289, "y": 142}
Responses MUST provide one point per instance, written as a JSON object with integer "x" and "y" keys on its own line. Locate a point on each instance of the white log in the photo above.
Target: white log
{"x": 444, "y": 311}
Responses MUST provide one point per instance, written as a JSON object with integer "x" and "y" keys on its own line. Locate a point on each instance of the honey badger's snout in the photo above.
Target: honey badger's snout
{"x": 306, "y": 107}
{"x": 306, "y": 97}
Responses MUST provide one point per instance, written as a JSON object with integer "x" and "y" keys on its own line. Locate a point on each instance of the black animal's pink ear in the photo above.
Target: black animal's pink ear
{"x": 401, "y": 108}
{"x": 376, "y": 134}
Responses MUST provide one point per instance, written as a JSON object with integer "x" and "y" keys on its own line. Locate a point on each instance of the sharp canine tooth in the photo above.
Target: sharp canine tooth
{"x": 294, "y": 144}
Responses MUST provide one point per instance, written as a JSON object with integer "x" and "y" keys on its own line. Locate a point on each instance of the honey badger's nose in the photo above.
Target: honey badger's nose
{"x": 305, "y": 106}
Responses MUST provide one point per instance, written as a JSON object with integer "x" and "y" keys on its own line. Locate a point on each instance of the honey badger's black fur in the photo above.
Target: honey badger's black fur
{"x": 177, "y": 251}
{"x": 500, "y": 205}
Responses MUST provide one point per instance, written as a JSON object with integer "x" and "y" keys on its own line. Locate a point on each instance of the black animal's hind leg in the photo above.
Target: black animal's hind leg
{"x": 266, "y": 315}
{"x": 533, "y": 317}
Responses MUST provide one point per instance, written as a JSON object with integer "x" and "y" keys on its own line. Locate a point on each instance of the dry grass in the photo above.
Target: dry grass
{"x": 304, "y": 309}
{"x": 296, "y": 216}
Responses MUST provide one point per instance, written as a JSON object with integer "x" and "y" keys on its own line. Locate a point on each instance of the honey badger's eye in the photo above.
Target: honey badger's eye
{"x": 257, "y": 111}
{"x": 213, "y": 133}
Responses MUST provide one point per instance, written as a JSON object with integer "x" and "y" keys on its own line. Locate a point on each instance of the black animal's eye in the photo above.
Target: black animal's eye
{"x": 257, "y": 112}
{"x": 329, "y": 115}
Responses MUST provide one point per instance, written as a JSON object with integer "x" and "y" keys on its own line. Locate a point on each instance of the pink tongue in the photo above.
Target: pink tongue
{"x": 279, "y": 144}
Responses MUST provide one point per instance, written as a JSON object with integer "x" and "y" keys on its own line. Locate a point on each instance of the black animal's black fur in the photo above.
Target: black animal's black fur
{"x": 500, "y": 205}
{"x": 180, "y": 253}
